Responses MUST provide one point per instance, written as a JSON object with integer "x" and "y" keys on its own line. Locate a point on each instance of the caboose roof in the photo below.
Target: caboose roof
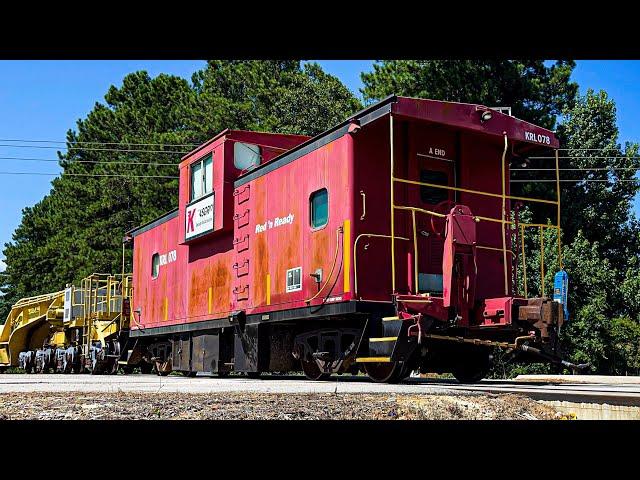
{"x": 462, "y": 116}
{"x": 246, "y": 135}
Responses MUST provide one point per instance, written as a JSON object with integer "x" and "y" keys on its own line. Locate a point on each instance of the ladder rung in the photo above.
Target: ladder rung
{"x": 383, "y": 339}
{"x": 373, "y": 360}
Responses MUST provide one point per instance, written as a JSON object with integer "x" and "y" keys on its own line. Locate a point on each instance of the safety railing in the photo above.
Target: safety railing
{"x": 503, "y": 220}
{"x": 103, "y": 297}
{"x": 355, "y": 258}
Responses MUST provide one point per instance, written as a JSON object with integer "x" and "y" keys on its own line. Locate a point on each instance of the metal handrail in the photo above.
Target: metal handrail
{"x": 503, "y": 196}
{"x": 355, "y": 260}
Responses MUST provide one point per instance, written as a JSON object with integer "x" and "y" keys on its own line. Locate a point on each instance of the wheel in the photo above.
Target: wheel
{"x": 388, "y": 372}
{"x": 254, "y": 375}
{"x": 472, "y": 367}
{"x": 189, "y": 374}
{"x": 466, "y": 374}
{"x": 161, "y": 369}
{"x": 145, "y": 367}
{"x": 113, "y": 370}
{"x": 312, "y": 371}
{"x": 95, "y": 368}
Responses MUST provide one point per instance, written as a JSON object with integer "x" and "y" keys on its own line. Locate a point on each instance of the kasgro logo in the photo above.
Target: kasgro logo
{"x": 190, "y": 216}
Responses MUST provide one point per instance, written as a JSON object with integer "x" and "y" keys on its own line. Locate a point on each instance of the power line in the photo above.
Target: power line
{"x": 116, "y": 162}
{"x": 93, "y": 149}
{"x": 586, "y": 149}
{"x": 576, "y": 180}
{"x": 104, "y": 143}
{"x": 568, "y": 169}
{"x": 88, "y": 175}
{"x": 587, "y": 157}
{"x": 175, "y": 176}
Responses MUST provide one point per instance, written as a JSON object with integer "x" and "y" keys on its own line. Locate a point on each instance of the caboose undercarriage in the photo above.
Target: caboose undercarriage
{"x": 353, "y": 337}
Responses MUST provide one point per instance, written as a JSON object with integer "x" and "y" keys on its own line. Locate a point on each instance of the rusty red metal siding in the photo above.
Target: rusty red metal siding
{"x": 198, "y": 285}
{"x": 266, "y": 247}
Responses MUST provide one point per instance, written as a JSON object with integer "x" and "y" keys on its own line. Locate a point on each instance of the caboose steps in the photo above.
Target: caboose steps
{"x": 382, "y": 346}
{"x": 392, "y": 328}
{"x": 373, "y": 360}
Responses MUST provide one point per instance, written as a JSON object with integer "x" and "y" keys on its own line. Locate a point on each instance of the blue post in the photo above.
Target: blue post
{"x": 560, "y": 291}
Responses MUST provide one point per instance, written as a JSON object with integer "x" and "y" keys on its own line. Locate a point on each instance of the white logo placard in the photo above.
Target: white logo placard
{"x": 199, "y": 218}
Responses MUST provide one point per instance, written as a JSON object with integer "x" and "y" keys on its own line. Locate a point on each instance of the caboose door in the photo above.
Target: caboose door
{"x": 429, "y": 230}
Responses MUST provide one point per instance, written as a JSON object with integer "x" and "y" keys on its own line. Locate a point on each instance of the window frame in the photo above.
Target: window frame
{"x": 203, "y": 181}
{"x": 154, "y": 256}
{"x": 320, "y": 227}
{"x": 424, "y": 190}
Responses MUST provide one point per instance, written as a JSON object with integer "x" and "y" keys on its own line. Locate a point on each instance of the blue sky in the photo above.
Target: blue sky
{"x": 41, "y": 100}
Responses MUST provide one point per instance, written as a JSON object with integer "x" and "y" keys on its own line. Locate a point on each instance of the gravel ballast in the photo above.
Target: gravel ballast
{"x": 270, "y": 406}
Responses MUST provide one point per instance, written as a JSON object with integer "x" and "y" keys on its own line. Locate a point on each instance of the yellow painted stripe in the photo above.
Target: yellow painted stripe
{"x": 389, "y": 319}
{"x": 383, "y": 339}
{"x": 346, "y": 254}
{"x": 166, "y": 309}
{"x": 373, "y": 360}
{"x": 268, "y": 289}
{"x": 210, "y": 298}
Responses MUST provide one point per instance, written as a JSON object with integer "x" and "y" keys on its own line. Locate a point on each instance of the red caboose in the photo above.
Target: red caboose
{"x": 382, "y": 243}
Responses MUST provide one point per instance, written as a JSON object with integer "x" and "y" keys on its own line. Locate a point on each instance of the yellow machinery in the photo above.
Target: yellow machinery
{"x": 31, "y": 322}
{"x": 76, "y": 329}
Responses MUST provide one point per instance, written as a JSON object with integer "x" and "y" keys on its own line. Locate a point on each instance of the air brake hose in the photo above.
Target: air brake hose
{"x": 551, "y": 358}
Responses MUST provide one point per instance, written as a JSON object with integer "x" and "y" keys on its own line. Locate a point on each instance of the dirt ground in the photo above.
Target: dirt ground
{"x": 251, "y": 406}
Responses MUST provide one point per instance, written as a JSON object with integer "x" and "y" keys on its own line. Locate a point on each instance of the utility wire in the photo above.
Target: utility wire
{"x": 586, "y": 149}
{"x": 175, "y": 176}
{"x": 93, "y": 149}
{"x": 568, "y": 169}
{"x": 87, "y": 175}
{"x": 586, "y": 157}
{"x": 115, "y": 162}
{"x": 104, "y": 143}
{"x": 576, "y": 180}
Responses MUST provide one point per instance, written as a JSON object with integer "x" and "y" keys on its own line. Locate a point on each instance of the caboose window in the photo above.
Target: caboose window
{"x": 433, "y": 195}
{"x": 202, "y": 177}
{"x": 246, "y": 156}
{"x": 319, "y": 202}
{"x": 155, "y": 265}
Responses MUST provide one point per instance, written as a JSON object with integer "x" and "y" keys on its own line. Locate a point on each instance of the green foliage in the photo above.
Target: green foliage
{"x": 78, "y": 227}
{"x": 273, "y": 96}
{"x": 535, "y": 92}
{"x": 600, "y": 208}
{"x": 625, "y": 346}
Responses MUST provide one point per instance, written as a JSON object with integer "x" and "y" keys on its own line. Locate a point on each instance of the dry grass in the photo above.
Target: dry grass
{"x": 260, "y": 406}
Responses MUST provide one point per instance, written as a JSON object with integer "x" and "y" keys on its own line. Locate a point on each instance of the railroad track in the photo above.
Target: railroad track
{"x": 622, "y": 394}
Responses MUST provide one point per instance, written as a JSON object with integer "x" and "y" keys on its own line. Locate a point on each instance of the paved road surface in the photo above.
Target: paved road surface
{"x": 610, "y": 393}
